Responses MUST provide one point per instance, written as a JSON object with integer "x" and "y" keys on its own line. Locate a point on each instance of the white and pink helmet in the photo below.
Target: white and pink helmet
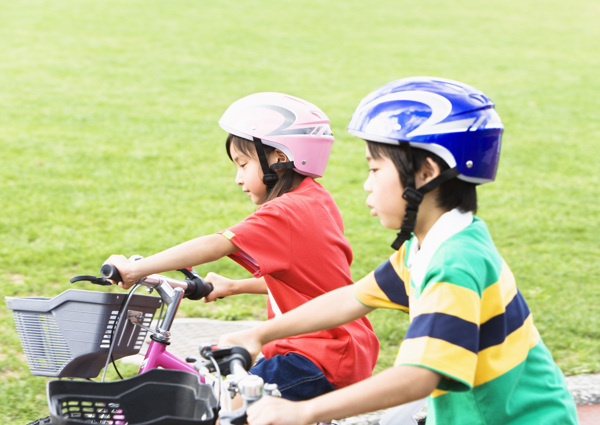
{"x": 296, "y": 127}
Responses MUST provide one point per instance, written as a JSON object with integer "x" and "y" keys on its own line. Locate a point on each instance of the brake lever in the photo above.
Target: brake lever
{"x": 190, "y": 273}
{"x": 90, "y": 278}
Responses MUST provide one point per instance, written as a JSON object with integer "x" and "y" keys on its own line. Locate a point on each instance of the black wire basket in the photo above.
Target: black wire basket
{"x": 156, "y": 397}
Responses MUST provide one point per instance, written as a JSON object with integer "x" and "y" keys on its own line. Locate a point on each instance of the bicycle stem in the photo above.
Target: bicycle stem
{"x": 171, "y": 292}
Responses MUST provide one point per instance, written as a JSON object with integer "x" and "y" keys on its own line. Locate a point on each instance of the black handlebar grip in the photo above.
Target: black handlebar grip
{"x": 198, "y": 288}
{"x": 243, "y": 355}
{"x": 109, "y": 271}
{"x": 226, "y": 356}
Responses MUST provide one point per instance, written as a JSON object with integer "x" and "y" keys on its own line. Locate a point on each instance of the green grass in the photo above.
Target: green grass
{"x": 110, "y": 143}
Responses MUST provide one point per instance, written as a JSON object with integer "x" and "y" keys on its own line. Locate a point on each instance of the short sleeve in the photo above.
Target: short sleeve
{"x": 263, "y": 239}
{"x": 385, "y": 287}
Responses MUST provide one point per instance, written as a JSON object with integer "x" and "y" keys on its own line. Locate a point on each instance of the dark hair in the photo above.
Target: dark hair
{"x": 286, "y": 179}
{"x": 452, "y": 194}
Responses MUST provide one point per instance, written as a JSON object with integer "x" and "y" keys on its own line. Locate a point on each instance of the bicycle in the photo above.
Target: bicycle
{"x": 79, "y": 332}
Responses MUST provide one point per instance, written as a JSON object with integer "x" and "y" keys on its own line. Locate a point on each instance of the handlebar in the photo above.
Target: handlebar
{"x": 231, "y": 360}
{"x": 171, "y": 291}
{"x": 234, "y": 362}
{"x": 108, "y": 271}
{"x": 194, "y": 286}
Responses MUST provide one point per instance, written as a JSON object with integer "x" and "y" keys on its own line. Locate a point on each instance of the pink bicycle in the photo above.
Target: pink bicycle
{"x": 78, "y": 333}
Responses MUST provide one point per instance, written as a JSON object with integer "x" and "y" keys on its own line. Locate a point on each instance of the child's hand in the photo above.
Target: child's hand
{"x": 277, "y": 411}
{"x": 222, "y": 287}
{"x": 247, "y": 338}
{"x": 124, "y": 266}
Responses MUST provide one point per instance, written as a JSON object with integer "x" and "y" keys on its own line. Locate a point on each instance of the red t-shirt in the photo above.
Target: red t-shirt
{"x": 296, "y": 241}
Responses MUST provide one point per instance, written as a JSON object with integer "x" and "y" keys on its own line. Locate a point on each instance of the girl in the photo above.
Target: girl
{"x": 294, "y": 243}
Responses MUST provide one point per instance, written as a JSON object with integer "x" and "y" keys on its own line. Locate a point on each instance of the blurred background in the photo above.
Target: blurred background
{"x": 109, "y": 140}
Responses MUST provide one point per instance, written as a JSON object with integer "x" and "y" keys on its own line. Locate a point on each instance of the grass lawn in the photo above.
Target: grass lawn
{"x": 109, "y": 140}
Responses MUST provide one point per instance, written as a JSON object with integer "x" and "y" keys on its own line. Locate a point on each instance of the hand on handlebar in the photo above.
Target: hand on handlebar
{"x": 124, "y": 266}
{"x": 277, "y": 411}
{"x": 246, "y": 338}
{"x": 221, "y": 287}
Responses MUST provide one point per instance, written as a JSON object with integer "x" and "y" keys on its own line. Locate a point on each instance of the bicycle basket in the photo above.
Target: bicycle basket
{"x": 156, "y": 397}
{"x": 69, "y": 335}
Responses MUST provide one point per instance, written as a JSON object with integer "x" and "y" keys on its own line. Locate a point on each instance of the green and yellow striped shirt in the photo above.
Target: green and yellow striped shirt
{"x": 469, "y": 323}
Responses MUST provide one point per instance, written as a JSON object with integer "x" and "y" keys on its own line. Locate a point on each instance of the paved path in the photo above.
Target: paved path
{"x": 189, "y": 334}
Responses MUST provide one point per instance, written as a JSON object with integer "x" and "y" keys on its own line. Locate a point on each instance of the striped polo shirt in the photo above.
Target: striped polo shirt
{"x": 469, "y": 323}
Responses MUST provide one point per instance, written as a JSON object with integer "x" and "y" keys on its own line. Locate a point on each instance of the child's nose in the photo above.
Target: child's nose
{"x": 367, "y": 186}
{"x": 238, "y": 178}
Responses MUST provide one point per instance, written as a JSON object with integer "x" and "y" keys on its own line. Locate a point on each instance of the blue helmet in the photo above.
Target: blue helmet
{"x": 455, "y": 121}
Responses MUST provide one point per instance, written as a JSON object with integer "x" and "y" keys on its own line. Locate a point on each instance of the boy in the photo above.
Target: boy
{"x": 471, "y": 345}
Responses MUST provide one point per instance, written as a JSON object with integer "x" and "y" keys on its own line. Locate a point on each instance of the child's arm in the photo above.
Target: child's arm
{"x": 188, "y": 254}
{"x": 224, "y": 287}
{"x": 392, "y": 387}
{"x": 327, "y": 311}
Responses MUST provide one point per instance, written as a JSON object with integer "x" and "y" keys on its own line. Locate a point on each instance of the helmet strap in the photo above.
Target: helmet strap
{"x": 413, "y": 198}
{"x": 269, "y": 176}
{"x": 281, "y": 165}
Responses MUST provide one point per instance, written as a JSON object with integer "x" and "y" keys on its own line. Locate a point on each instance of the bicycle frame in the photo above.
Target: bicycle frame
{"x": 232, "y": 362}
{"x": 250, "y": 387}
{"x": 171, "y": 291}
{"x": 158, "y": 356}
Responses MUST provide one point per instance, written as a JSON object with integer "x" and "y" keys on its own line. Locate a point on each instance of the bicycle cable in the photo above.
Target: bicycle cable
{"x": 117, "y": 325}
{"x": 219, "y": 380}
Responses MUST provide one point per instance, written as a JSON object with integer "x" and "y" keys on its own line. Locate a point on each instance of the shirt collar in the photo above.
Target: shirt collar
{"x": 445, "y": 227}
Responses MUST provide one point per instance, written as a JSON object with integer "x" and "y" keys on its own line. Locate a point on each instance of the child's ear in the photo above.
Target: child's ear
{"x": 428, "y": 171}
{"x": 280, "y": 156}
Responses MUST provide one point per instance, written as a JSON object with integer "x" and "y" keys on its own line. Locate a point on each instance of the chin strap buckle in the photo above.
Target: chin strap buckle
{"x": 412, "y": 196}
